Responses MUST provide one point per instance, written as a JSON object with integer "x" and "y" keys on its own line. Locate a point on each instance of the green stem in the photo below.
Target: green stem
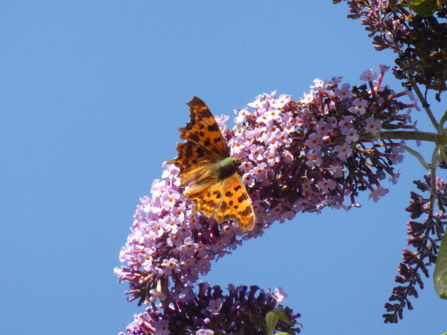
{"x": 421, "y": 97}
{"x": 433, "y": 184}
{"x": 401, "y": 135}
{"x": 426, "y": 106}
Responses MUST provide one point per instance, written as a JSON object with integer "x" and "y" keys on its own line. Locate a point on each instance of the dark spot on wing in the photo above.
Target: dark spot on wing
{"x": 242, "y": 198}
{"x": 231, "y": 203}
{"x": 223, "y": 205}
{"x": 237, "y": 188}
{"x": 207, "y": 143}
{"x": 247, "y": 211}
{"x": 194, "y": 138}
{"x": 217, "y": 194}
{"x": 213, "y": 127}
{"x": 228, "y": 194}
{"x": 200, "y": 152}
{"x": 188, "y": 152}
{"x": 217, "y": 140}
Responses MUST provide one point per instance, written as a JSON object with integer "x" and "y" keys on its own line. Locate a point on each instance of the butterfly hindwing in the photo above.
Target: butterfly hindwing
{"x": 206, "y": 196}
{"x": 235, "y": 204}
{"x": 203, "y": 130}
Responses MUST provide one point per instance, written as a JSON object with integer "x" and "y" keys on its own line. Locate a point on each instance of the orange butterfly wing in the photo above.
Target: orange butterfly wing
{"x": 198, "y": 160}
{"x": 203, "y": 130}
{"x": 235, "y": 204}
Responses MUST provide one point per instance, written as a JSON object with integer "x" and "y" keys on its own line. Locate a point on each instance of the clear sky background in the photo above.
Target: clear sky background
{"x": 92, "y": 94}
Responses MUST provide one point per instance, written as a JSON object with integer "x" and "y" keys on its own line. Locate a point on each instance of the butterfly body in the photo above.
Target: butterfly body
{"x": 227, "y": 167}
{"x": 218, "y": 190}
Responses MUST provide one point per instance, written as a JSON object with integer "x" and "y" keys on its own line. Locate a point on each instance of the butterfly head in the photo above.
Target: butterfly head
{"x": 237, "y": 162}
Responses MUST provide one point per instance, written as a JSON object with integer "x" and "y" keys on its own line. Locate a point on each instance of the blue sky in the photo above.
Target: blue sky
{"x": 91, "y": 96}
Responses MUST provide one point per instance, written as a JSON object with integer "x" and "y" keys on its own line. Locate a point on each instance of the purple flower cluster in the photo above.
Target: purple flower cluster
{"x": 210, "y": 311}
{"x": 420, "y": 42}
{"x": 425, "y": 237}
{"x": 297, "y": 156}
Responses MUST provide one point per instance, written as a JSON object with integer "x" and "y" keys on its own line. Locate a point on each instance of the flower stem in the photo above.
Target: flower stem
{"x": 404, "y": 135}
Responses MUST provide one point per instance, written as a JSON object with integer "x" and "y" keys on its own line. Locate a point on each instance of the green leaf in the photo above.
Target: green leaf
{"x": 440, "y": 274}
{"x": 416, "y": 2}
{"x": 424, "y": 8}
{"x": 273, "y": 317}
{"x": 282, "y": 315}
{"x": 418, "y": 156}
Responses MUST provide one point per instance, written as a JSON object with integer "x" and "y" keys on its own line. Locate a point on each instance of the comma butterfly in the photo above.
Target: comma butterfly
{"x": 218, "y": 190}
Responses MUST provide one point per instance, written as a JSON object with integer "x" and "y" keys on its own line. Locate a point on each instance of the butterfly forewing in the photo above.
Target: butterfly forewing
{"x": 203, "y": 130}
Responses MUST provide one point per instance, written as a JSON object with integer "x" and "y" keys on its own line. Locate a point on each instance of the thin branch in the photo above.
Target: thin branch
{"x": 426, "y": 106}
{"x": 403, "y": 135}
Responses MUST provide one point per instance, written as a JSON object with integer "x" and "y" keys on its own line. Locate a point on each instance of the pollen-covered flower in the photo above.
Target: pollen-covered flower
{"x": 373, "y": 125}
{"x": 215, "y": 306}
{"x": 359, "y": 106}
{"x": 170, "y": 265}
{"x": 368, "y": 75}
{"x": 351, "y": 135}
{"x": 344, "y": 151}
{"x": 344, "y": 92}
{"x": 155, "y": 294}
